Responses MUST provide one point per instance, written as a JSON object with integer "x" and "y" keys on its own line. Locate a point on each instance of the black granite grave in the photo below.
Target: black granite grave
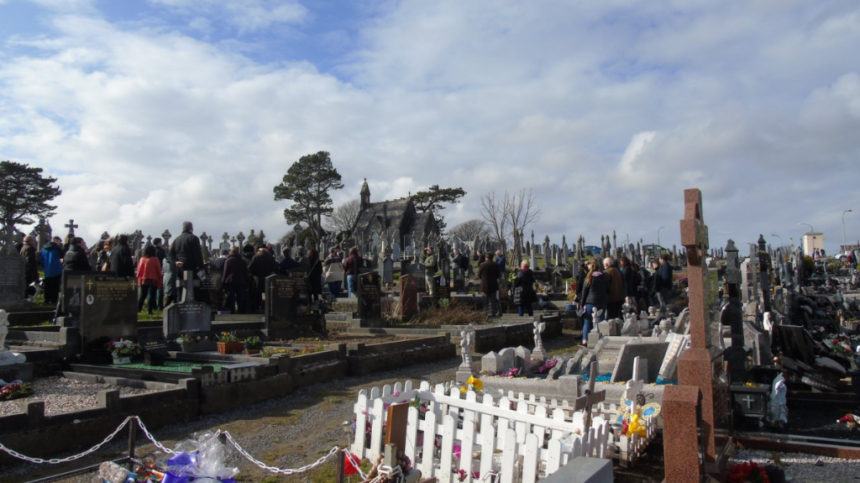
{"x": 287, "y": 304}
{"x": 443, "y": 290}
{"x": 188, "y": 315}
{"x": 417, "y": 271}
{"x": 154, "y": 351}
{"x": 369, "y": 296}
{"x": 12, "y": 282}
{"x": 70, "y": 288}
{"x": 108, "y": 310}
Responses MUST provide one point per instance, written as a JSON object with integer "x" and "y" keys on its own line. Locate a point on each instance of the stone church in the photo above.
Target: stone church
{"x": 389, "y": 222}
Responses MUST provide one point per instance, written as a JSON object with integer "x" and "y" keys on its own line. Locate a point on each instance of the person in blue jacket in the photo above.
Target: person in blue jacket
{"x": 51, "y": 259}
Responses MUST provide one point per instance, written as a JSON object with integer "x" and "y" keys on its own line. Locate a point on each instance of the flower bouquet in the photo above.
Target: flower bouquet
{"x": 191, "y": 343}
{"x": 253, "y": 345}
{"x": 14, "y": 390}
{"x": 230, "y": 344}
{"x": 748, "y": 472}
{"x": 122, "y": 350}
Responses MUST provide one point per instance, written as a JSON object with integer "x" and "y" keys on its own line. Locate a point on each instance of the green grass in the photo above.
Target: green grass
{"x": 170, "y": 366}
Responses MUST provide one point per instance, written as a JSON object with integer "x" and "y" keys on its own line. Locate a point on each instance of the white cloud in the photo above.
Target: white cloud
{"x": 247, "y": 15}
{"x": 608, "y": 111}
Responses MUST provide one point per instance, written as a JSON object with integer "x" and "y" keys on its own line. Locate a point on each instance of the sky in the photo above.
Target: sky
{"x": 156, "y": 111}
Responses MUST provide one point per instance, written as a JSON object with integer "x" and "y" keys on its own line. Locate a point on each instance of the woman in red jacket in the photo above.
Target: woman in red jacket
{"x": 149, "y": 278}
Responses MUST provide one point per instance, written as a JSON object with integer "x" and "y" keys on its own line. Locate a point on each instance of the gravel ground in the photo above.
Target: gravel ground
{"x": 288, "y": 432}
{"x": 805, "y": 468}
{"x": 63, "y": 395}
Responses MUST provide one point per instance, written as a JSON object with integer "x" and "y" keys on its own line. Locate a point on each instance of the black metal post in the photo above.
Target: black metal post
{"x": 132, "y": 436}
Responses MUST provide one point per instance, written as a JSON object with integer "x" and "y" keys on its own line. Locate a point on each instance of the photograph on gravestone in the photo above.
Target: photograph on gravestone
{"x": 369, "y": 296}
{"x": 108, "y": 310}
{"x": 443, "y": 288}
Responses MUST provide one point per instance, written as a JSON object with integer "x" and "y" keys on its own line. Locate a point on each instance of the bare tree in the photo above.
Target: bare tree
{"x": 509, "y": 215}
{"x": 522, "y": 210}
{"x": 468, "y": 230}
{"x": 493, "y": 209}
{"x": 343, "y": 217}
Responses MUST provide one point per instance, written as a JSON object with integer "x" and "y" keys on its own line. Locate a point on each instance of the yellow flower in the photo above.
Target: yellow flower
{"x": 476, "y": 383}
{"x": 463, "y": 390}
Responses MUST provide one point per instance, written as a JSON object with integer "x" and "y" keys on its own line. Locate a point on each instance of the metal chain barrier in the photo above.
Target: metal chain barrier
{"x": 161, "y": 447}
{"x": 279, "y": 470}
{"x": 56, "y": 461}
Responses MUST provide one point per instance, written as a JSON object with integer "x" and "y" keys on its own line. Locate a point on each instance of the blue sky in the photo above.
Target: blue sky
{"x": 151, "y": 112}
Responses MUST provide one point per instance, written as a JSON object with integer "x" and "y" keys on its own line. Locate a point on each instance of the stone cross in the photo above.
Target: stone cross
{"x": 148, "y": 240}
{"x": 225, "y": 237}
{"x": 590, "y": 398}
{"x": 694, "y": 237}
{"x": 533, "y": 260}
{"x": 188, "y": 280}
{"x": 634, "y": 386}
{"x": 71, "y": 226}
{"x": 614, "y": 245}
{"x": 204, "y": 238}
{"x": 241, "y": 238}
{"x": 166, "y": 236}
{"x": 546, "y": 252}
{"x": 233, "y": 241}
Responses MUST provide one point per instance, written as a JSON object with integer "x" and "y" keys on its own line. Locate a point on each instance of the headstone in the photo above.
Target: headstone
{"x": 491, "y": 364}
{"x": 12, "y": 281}
{"x": 654, "y": 352}
{"x": 388, "y": 270}
{"x": 395, "y": 252}
{"x": 108, "y": 310}
{"x": 523, "y": 360}
{"x": 369, "y": 296}
{"x": 408, "y": 296}
{"x": 154, "y": 351}
{"x": 417, "y": 271}
{"x": 287, "y": 302}
{"x": 573, "y": 366}
{"x": 188, "y": 315}
{"x": 443, "y": 288}
{"x": 669, "y": 366}
{"x": 509, "y": 359}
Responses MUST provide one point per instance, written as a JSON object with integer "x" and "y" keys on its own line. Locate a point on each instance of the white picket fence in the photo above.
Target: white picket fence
{"x": 533, "y": 443}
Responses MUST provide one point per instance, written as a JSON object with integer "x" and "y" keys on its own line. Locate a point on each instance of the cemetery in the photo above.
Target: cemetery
{"x": 752, "y": 350}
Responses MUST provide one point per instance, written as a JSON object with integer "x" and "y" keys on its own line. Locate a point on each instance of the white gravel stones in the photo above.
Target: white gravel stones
{"x": 804, "y": 468}
{"x": 63, "y": 395}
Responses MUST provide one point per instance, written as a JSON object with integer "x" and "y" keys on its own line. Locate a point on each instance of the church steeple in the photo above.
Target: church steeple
{"x": 365, "y": 195}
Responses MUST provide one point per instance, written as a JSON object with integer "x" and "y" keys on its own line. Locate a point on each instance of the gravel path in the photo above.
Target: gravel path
{"x": 286, "y": 432}
{"x": 805, "y": 468}
{"x": 63, "y": 395}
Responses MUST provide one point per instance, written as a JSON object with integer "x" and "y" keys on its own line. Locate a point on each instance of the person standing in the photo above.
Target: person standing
{"x": 616, "y": 289}
{"x": 51, "y": 258}
{"x": 430, "y": 267}
{"x": 315, "y": 274}
{"x": 235, "y": 278}
{"x": 31, "y": 267}
{"x": 663, "y": 284}
{"x": 333, "y": 273}
{"x": 350, "y": 269}
{"x": 287, "y": 264}
{"x": 524, "y": 290}
{"x": 631, "y": 280}
{"x": 262, "y": 265}
{"x": 149, "y": 278}
{"x": 185, "y": 253}
{"x": 120, "y": 258}
{"x": 500, "y": 259}
{"x": 161, "y": 254}
{"x": 595, "y": 294}
{"x": 489, "y": 274}
{"x": 76, "y": 257}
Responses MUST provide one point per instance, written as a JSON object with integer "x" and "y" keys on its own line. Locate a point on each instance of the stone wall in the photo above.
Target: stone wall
{"x": 366, "y": 359}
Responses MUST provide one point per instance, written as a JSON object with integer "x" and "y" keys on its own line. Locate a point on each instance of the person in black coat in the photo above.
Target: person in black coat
{"x": 580, "y": 282}
{"x": 315, "y": 274}
{"x": 524, "y": 290}
{"x": 262, "y": 265}
{"x": 595, "y": 295}
{"x": 185, "y": 250}
{"x": 235, "y": 279}
{"x": 663, "y": 283}
{"x": 120, "y": 258}
{"x": 489, "y": 273}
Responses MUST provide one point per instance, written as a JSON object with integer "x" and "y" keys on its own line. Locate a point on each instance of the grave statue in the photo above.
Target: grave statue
{"x": 777, "y": 410}
{"x": 539, "y": 353}
{"x": 7, "y": 357}
{"x": 466, "y": 369}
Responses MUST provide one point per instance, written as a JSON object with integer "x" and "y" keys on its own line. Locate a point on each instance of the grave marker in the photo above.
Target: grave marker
{"x": 287, "y": 302}
{"x": 188, "y": 315}
{"x": 408, "y": 296}
{"x": 369, "y": 296}
{"x": 108, "y": 310}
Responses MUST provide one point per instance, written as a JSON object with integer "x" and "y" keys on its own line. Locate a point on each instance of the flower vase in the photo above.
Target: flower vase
{"x": 250, "y": 352}
{"x": 118, "y": 361}
{"x": 230, "y": 347}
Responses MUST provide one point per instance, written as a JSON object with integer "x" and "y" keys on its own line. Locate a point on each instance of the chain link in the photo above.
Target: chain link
{"x": 151, "y": 438}
{"x": 356, "y": 465}
{"x": 273, "y": 469}
{"x": 56, "y": 461}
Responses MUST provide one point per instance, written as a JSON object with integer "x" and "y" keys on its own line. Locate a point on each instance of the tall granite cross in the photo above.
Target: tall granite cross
{"x": 166, "y": 236}
{"x": 702, "y": 365}
{"x": 241, "y": 238}
{"x": 71, "y": 226}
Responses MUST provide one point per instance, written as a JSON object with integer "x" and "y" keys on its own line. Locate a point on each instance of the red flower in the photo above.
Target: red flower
{"x": 349, "y": 469}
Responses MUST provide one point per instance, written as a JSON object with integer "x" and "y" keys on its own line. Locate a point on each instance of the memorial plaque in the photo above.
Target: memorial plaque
{"x": 154, "y": 351}
{"x": 186, "y": 317}
{"x": 108, "y": 310}
{"x": 459, "y": 280}
{"x": 369, "y": 296}
{"x": 12, "y": 282}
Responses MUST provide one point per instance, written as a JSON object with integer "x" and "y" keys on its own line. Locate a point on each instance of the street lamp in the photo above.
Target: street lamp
{"x": 843, "y": 229}
{"x": 658, "y": 234}
{"x": 780, "y": 239}
{"x": 807, "y": 224}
